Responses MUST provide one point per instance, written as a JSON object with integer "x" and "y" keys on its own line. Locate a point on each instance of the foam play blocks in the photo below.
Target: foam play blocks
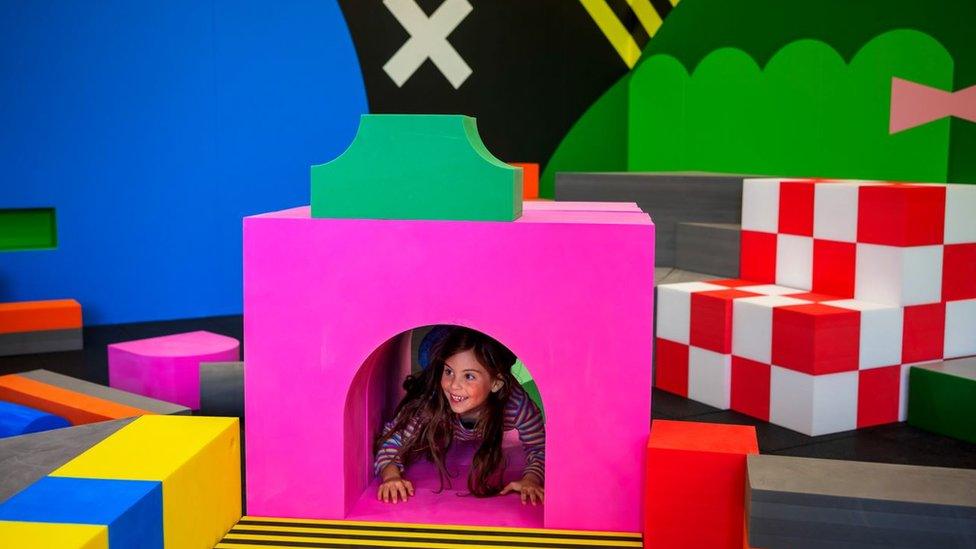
{"x": 222, "y": 389}
{"x": 16, "y": 419}
{"x": 942, "y": 398}
{"x": 168, "y": 367}
{"x": 804, "y": 503}
{"x": 856, "y": 280}
{"x": 196, "y": 460}
{"x": 470, "y": 184}
{"x": 530, "y": 179}
{"x": 130, "y": 509}
{"x": 318, "y": 304}
{"x": 28, "y": 327}
{"x": 695, "y": 478}
{"x": 63, "y": 536}
{"x": 48, "y": 450}
{"x": 77, "y": 400}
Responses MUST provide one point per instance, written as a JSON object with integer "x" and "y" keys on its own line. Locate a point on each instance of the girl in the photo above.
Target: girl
{"x": 467, "y": 392}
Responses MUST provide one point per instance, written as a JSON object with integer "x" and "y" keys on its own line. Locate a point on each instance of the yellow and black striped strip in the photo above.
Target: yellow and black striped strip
{"x": 331, "y": 534}
{"x": 628, "y": 24}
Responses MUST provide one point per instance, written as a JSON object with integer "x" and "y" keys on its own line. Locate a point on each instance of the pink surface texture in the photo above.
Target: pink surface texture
{"x": 916, "y": 104}
{"x": 326, "y": 304}
{"x": 168, "y": 367}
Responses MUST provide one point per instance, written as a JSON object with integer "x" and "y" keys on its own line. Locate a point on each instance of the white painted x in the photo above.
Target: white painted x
{"x": 428, "y": 38}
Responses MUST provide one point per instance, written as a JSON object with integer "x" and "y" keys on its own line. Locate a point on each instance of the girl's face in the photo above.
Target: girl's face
{"x": 467, "y": 384}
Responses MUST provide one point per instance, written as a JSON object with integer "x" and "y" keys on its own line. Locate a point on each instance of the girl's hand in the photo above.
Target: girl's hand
{"x": 394, "y": 489}
{"x": 528, "y": 487}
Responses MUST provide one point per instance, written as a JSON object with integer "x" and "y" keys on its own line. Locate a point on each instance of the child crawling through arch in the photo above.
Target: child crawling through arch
{"x": 466, "y": 393}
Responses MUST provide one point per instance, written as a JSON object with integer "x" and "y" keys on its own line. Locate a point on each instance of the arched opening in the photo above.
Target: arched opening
{"x": 372, "y": 398}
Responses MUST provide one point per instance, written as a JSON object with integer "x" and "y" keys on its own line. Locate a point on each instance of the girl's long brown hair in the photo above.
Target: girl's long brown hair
{"x": 426, "y": 404}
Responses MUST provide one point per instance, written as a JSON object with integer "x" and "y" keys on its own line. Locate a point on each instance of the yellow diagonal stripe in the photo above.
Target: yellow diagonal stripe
{"x": 614, "y": 30}
{"x": 647, "y": 15}
{"x": 675, "y": 2}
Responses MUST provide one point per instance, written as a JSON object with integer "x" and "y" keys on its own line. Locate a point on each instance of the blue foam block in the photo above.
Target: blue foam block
{"x": 132, "y": 509}
{"x": 16, "y": 419}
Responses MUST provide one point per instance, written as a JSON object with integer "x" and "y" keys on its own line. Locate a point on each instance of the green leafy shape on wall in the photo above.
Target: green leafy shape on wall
{"x": 417, "y": 167}
{"x": 806, "y": 113}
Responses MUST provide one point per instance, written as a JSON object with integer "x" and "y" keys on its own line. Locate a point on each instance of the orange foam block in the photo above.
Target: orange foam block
{"x": 695, "y": 487}
{"x": 33, "y": 316}
{"x": 76, "y": 407}
{"x": 530, "y": 178}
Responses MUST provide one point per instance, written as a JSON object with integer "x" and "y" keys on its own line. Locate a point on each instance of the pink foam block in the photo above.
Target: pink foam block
{"x": 168, "y": 367}
{"x": 571, "y": 293}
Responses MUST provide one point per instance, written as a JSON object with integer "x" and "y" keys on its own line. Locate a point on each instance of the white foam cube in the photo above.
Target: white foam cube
{"x": 881, "y": 331}
{"x": 960, "y": 220}
{"x": 898, "y": 275}
{"x": 752, "y": 326}
{"x": 674, "y": 309}
{"x": 813, "y": 405}
{"x": 760, "y": 205}
{"x": 794, "y": 261}
{"x": 960, "y": 328}
{"x": 710, "y": 377}
{"x": 835, "y": 211}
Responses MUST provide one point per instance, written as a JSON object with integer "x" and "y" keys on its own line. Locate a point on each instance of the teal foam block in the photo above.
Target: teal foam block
{"x": 132, "y": 509}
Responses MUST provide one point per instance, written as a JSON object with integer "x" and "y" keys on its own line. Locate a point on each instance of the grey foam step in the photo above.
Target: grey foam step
{"x": 708, "y": 248}
{"x": 106, "y": 393}
{"x": 42, "y": 341}
{"x": 26, "y": 458}
{"x": 669, "y": 198}
{"x": 804, "y": 503}
{"x": 222, "y": 389}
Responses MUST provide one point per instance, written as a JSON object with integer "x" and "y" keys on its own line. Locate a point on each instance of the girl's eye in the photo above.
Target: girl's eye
{"x": 469, "y": 377}
{"x": 448, "y": 372}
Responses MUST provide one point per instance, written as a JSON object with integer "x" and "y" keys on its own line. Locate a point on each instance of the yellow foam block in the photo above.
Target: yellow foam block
{"x": 198, "y": 461}
{"x": 62, "y": 536}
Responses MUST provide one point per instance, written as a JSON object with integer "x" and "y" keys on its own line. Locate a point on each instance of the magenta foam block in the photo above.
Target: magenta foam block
{"x": 168, "y": 367}
{"x": 569, "y": 292}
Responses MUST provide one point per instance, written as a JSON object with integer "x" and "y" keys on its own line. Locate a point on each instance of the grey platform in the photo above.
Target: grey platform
{"x": 708, "y": 248}
{"x": 804, "y": 503}
{"x": 669, "y": 198}
{"x": 222, "y": 389}
{"x": 106, "y": 393}
{"x": 26, "y": 458}
{"x": 42, "y": 341}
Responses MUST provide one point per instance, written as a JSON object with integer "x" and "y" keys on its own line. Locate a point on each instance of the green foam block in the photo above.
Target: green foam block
{"x": 942, "y": 398}
{"x": 417, "y": 167}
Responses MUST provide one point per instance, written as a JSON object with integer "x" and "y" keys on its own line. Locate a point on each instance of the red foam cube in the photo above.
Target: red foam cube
{"x": 901, "y": 215}
{"x": 959, "y": 272}
{"x": 750, "y": 387}
{"x": 757, "y": 256}
{"x": 671, "y": 367}
{"x": 833, "y": 267}
{"x": 923, "y": 333}
{"x": 877, "y": 396}
{"x": 695, "y": 487}
{"x": 816, "y": 339}
{"x": 711, "y": 319}
{"x": 796, "y": 207}
{"x": 733, "y": 282}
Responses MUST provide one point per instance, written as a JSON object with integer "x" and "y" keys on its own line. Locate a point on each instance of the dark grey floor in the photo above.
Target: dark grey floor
{"x": 897, "y": 443}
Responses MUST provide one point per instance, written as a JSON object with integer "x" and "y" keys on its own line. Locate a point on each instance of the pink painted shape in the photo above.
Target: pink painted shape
{"x": 168, "y": 367}
{"x": 571, "y": 293}
{"x": 580, "y": 206}
{"x": 915, "y": 104}
{"x": 453, "y": 505}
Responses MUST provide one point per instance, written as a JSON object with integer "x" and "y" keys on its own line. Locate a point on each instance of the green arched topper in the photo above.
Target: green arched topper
{"x": 402, "y": 166}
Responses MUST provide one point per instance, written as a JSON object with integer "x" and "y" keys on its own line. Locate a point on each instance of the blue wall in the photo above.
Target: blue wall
{"x": 153, "y": 128}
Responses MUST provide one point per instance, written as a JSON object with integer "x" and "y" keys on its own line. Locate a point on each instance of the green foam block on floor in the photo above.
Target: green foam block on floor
{"x": 942, "y": 398}
{"x": 403, "y": 166}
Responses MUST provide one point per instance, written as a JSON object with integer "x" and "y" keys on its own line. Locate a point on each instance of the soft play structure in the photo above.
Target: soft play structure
{"x": 843, "y": 285}
{"x": 330, "y": 288}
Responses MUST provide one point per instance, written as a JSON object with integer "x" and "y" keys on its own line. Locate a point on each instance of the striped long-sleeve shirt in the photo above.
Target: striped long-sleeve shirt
{"x": 520, "y": 413}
